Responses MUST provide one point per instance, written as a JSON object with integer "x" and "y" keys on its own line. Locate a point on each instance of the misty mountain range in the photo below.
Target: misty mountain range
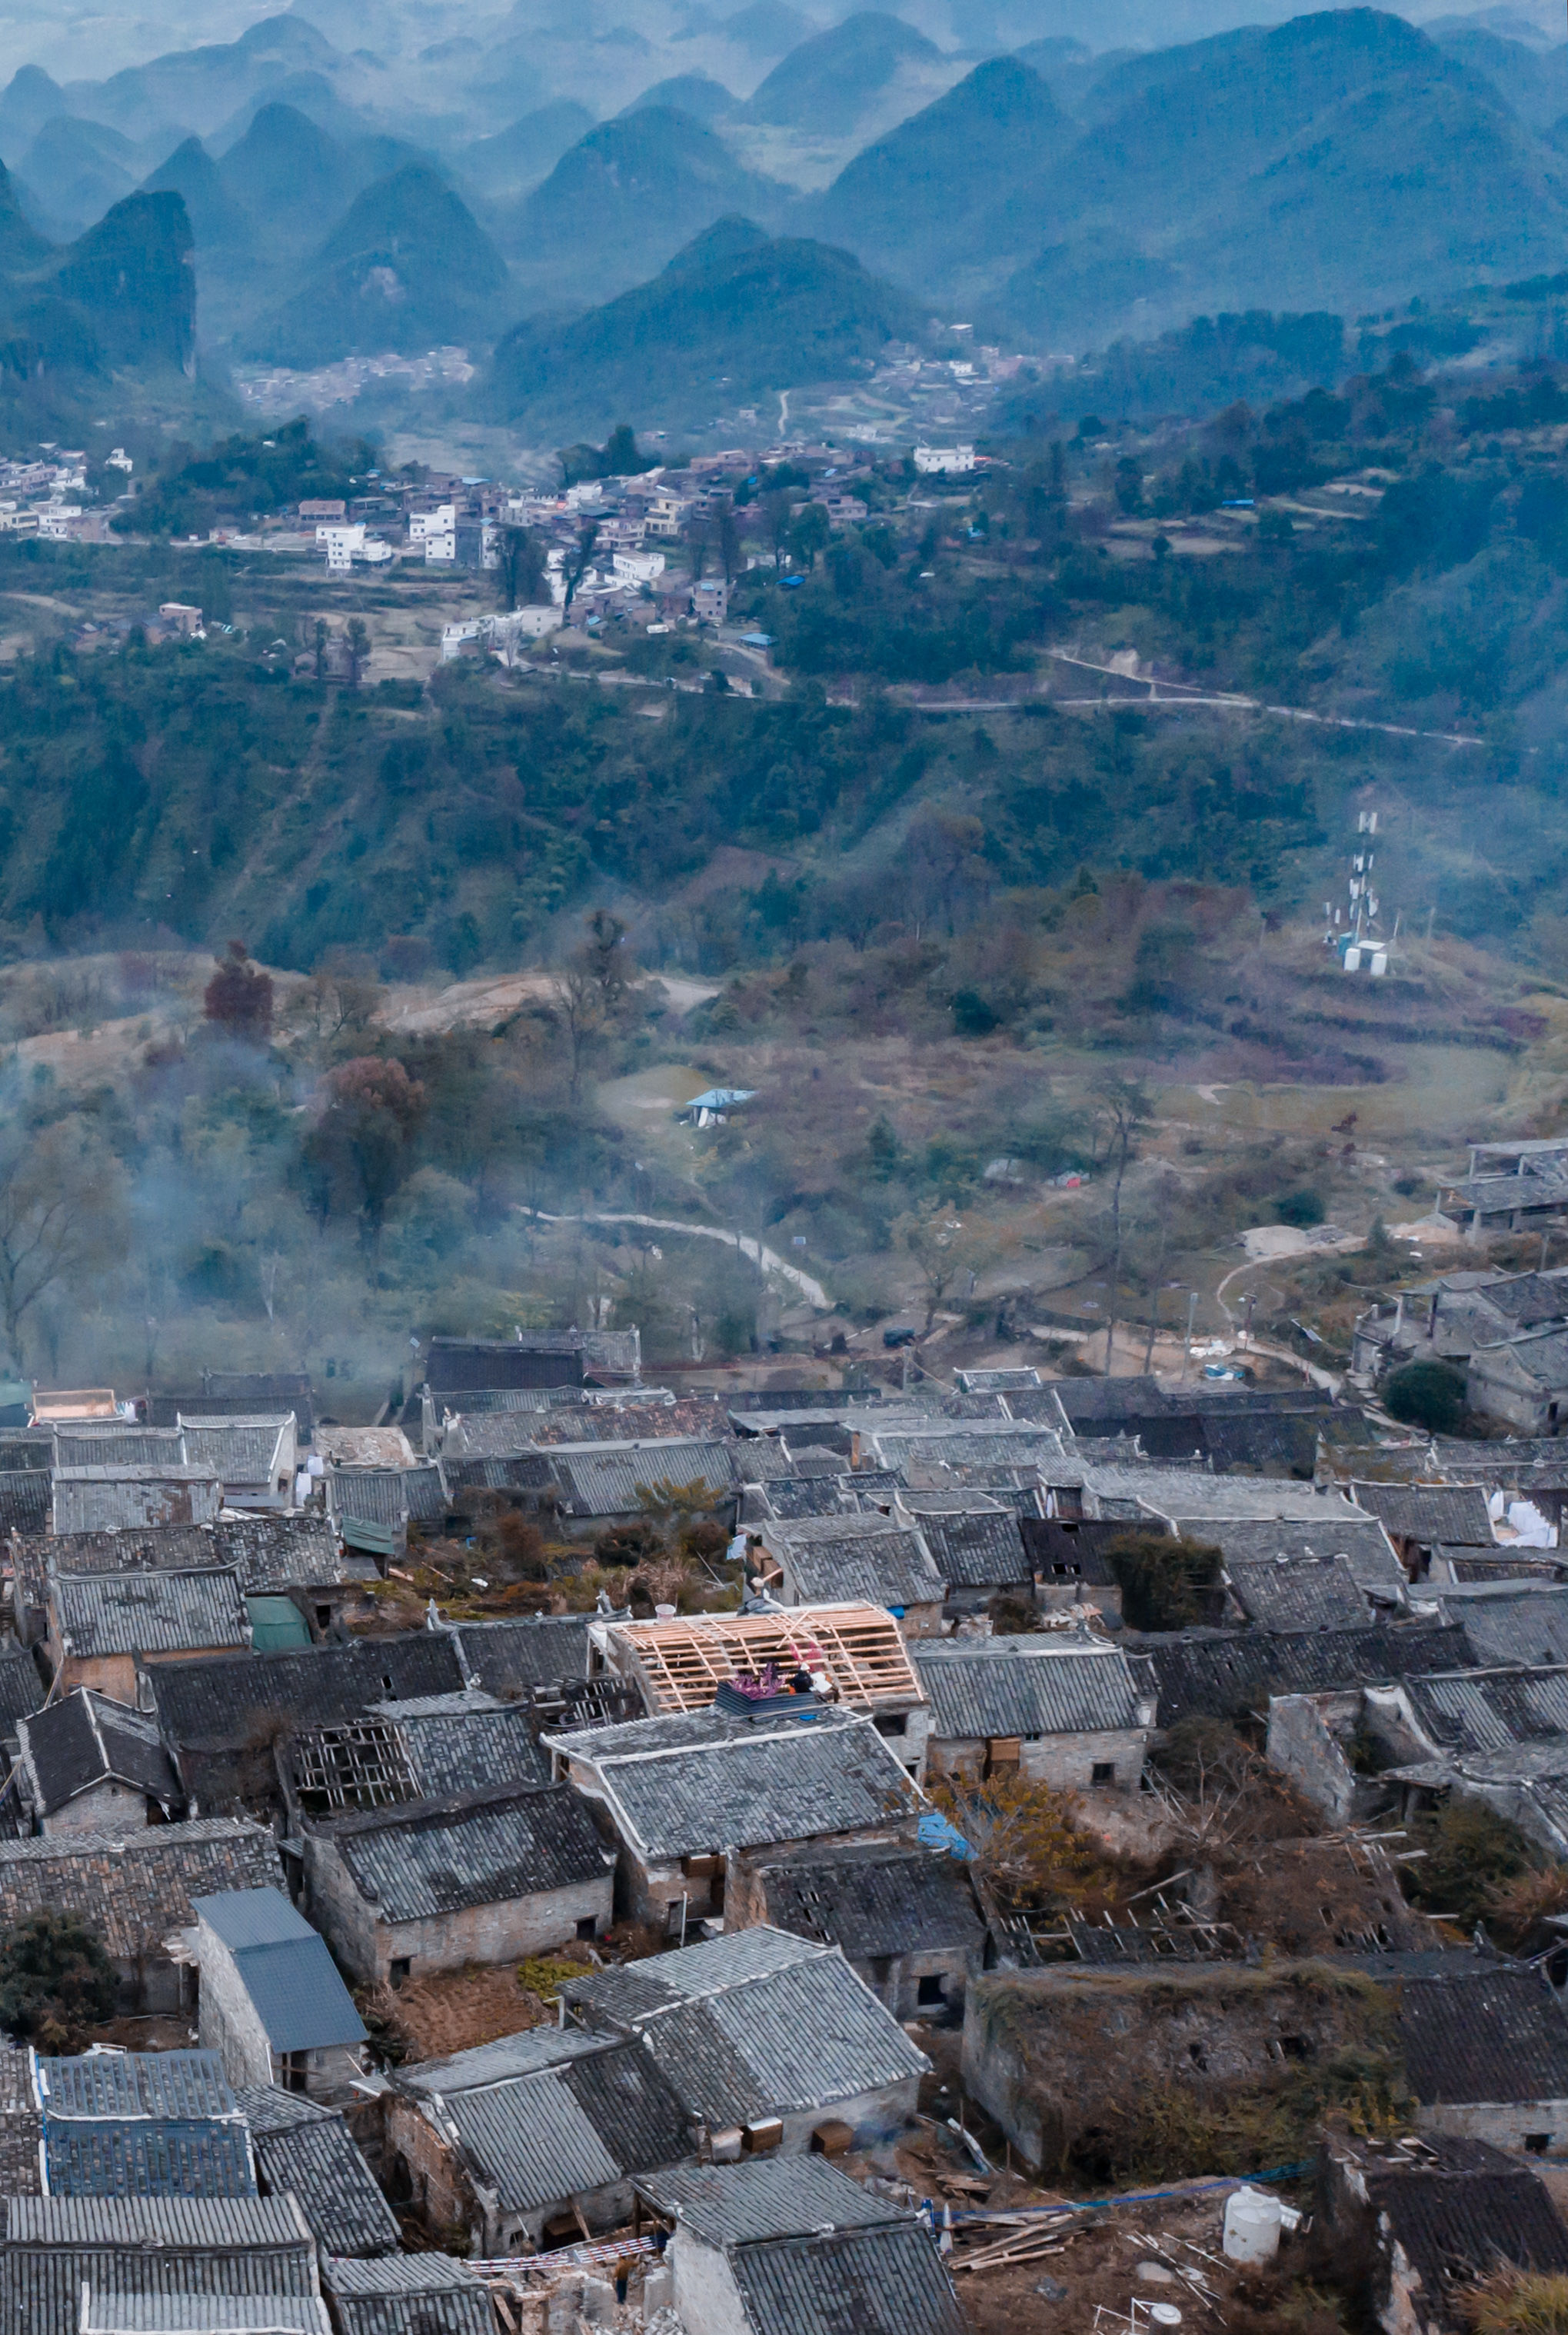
{"x": 1057, "y": 196}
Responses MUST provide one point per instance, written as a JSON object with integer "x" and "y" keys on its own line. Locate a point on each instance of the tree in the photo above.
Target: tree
{"x": 1122, "y": 1107}
{"x": 55, "y": 1979}
{"x": 591, "y": 991}
{"x": 808, "y": 534}
{"x": 697, "y": 542}
{"x": 362, "y": 1143}
{"x": 320, "y": 644}
{"x": 358, "y": 637}
{"x": 1425, "y": 1394}
{"x": 1024, "y": 1838}
{"x": 58, "y": 1217}
{"x": 239, "y": 998}
{"x": 1164, "y": 1582}
{"x": 580, "y": 558}
{"x": 726, "y": 538}
{"x": 943, "y": 1253}
{"x": 523, "y": 572}
{"x": 776, "y": 511}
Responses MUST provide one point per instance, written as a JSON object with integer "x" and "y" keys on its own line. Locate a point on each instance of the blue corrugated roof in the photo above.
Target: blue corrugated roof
{"x": 252, "y": 1917}
{"x": 300, "y": 1998}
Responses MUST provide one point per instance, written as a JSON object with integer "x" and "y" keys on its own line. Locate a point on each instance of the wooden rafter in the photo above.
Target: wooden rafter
{"x": 684, "y": 1662}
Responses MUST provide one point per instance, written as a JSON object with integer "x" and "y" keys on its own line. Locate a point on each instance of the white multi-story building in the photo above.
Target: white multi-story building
{"x": 947, "y": 460}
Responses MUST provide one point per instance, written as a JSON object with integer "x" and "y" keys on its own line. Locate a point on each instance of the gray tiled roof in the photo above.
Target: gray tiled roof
{"x": 456, "y": 1751}
{"x": 508, "y": 1657}
{"x": 246, "y": 2247}
{"x": 1497, "y": 2033}
{"x": 288, "y": 1551}
{"x": 407, "y": 2294}
{"x": 386, "y": 1496}
{"x": 1019, "y": 1686}
{"x": 117, "y": 1443}
{"x": 118, "y": 2314}
{"x": 1429, "y": 1512}
{"x": 308, "y": 2153}
{"x": 975, "y": 1546}
{"x": 1302, "y": 1593}
{"x": 150, "y": 2157}
{"x": 975, "y": 1445}
{"x": 25, "y": 1499}
{"x": 1532, "y": 1627}
{"x": 801, "y": 2035}
{"x": 1360, "y": 1540}
{"x": 150, "y": 1548}
{"x": 771, "y": 2197}
{"x": 85, "y": 1740}
{"x": 787, "y": 1498}
{"x": 870, "y": 1559}
{"x": 22, "y": 1690}
{"x": 102, "y": 1500}
{"x": 888, "y": 2281}
{"x": 876, "y": 1902}
{"x": 582, "y": 2125}
{"x": 1490, "y": 1709}
{"x": 150, "y": 1613}
{"x": 238, "y": 1451}
{"x": 134, "y": 1888}
{"x": 226, "y": 1704}
{"x": 523, "y": 2054}
{"x": 1224, "y": 1674}
{"x": 608, "y": 1479}
{"x": 747, "y": 1783}
{"x": 187, "y": 2084}
{"x": 484, "y": 1848}
{"x": 1455, "y": 2226}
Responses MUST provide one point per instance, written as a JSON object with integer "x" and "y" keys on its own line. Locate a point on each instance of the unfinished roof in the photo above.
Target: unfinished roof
{"x": 402, "y": 1751}
{"x": 1498, "y": 2033}
{"x": 85, "y": 1740}
{"x": 1301, "y": 1592}
{"x": 308, "y": 2153}
{"x": 170, "y": 1613}
{"x": 488, "y": 1847}
{"x": 760, "y": 2026}
{"x": 134, "y": 1888}
{"x": 582, "y": 2124}
{"x": 1425, "y": 1513}
{"x": 874, "y": 1902}
{"x": 772, "y": 2197}
{"x": 1455, "y": 2221}
{"x": 689, "y": 1784}
{"x": 1026, "y": 1686}
{"x": 407, "y": 2294}
{"x": 682, "y": 1663}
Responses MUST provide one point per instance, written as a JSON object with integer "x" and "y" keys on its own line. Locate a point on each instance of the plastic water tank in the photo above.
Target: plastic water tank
{"x": 1253, "y": 2220}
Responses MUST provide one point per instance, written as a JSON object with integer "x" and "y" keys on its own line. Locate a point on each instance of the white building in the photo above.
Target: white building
{"x": 946, "y": 460}
{"x": 341, "y": 542}
{"x": 639, "y": 567}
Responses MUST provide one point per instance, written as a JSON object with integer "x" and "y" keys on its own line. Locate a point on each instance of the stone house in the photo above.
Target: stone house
{"x": 768, "y": 2042}
{"x": 681, "y": 1795}
{"x": 103, "y": 1499}
{"x": 1064, "y": 2057}
{"x": 98, "y": 1624}
{"x": 975, "y": 1544}
{"x": 791, "y": 2243}
{"x": 869, "y": 1559}
{"x": 531, "y": 2141}
{"x": 1062, "y": 1711}
{"x": 905, "y": 1920}
{"x": 681, "y": 1664}
{"x": 255, "y": 1459}
{"x": 1487, "y": 2054}
{"x": 307, "y": 2152}
{"x": 406, "y": 2294}
{"x": 216, "y": 2249}
{"x": 1523, "y": 1381}
{"x": 272, "y": 2003}
{"x": 491, "y": 1876}
{"x": 141, "y": 2124}
{"x": 1067, "y": 1563}
{"x": 91, "y": 1765}
{"x": 138, "y": 1890}
{"x": 1423, "y": 2217}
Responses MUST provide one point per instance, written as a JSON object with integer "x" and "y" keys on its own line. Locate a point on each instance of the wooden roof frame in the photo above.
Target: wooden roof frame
{"x": 682, "y": 1663}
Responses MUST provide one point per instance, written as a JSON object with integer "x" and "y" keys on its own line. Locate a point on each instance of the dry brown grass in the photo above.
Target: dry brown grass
{"x": 1514, "y": 2301}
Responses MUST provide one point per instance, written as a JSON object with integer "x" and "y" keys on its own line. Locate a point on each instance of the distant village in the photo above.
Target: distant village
{"x": 514, "y": 1959}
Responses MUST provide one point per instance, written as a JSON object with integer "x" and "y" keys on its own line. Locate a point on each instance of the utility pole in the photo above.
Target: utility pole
{"x": 1247, "y": 1329}
{"x": 1187, "y": 1341}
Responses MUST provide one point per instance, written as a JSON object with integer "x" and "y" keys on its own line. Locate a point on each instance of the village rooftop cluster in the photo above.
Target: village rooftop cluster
{"x": 729, "y": 1844}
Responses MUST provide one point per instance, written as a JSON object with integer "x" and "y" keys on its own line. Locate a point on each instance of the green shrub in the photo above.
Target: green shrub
{"x": 1165, "y": 1583}
{"x": 1425, "y": 1394}
{"x": 55, "y": 1979}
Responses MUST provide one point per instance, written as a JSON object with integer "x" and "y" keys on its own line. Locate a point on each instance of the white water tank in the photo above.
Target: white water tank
{"x": 1253, "y": 2220}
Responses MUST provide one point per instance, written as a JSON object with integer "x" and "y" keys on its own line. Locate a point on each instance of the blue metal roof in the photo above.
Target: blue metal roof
{"x": 252, "y": 1917}
{"x": 293, "y": 1981}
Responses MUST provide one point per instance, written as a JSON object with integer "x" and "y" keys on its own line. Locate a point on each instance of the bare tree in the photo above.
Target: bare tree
{"x": 1121, "y": 1107}
{"x": 591, "y": 988}
{"x": 944, "y": 1252}
{"x": 581, "y": 558}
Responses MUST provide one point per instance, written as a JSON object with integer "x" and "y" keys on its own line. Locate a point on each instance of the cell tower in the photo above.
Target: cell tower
{"x": 1357, "y": 931}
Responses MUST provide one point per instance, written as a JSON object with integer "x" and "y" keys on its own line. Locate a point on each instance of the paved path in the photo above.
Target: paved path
{"x": 769, "y": 1259}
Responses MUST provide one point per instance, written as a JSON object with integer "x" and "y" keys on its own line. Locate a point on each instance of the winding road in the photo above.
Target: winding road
{"x": 769, "y": 1259}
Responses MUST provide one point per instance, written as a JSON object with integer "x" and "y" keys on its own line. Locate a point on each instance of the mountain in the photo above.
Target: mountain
{"x": 627, "y": 197}
{"x": 696, "y": 93}
{"x": 1534, "y": 84}
{"x": 908, "y": 205}
{"x": 218, "y": 222}
{"x": 76, "y": 169}
{"x": 767, "y": 28}
{"x": 826, "y": 84}
{"x": 408, "y": 269}
{"x": 289, "y": 176}
{"x": 514, "y": 159}
{"x": 30, "y": 99}
{"x": 200, "y": 88}
{"x": 131, "y": 276}
{"x": 1355, "y": 163}
{"x": 734, "y": 318}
